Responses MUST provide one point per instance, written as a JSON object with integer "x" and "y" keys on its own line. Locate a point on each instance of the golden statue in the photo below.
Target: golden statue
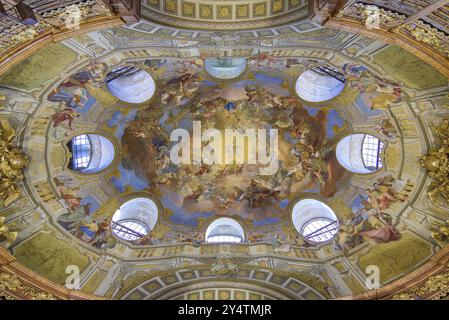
{"x": 436, "y": 162}
{"x": 12, "y": 163}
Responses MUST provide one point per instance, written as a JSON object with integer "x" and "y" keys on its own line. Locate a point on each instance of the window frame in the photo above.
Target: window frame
{"x": 133, "y": 235}
{"x": 77, "y": 163}
{"x": 368, "y": 152}
{"x": 332, "y": 232}
{"x": 229, "y": 239}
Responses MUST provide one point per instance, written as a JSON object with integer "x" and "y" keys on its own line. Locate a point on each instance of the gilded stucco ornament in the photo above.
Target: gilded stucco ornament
{"x": 440, "y": 232}
{"x": 72, "y": 15}
{"x": 13, "y": 161}
{"x": 372, "y": 16}
{"x": 24, "y": 35}
{"x": 66, "y": 16}
{"x": 7, "y": 234}
{"x": 436, "y": 163}
{"x": 429, "y": 35}
{"x": 435, "y": 288}
{"x": 12, "y": 285}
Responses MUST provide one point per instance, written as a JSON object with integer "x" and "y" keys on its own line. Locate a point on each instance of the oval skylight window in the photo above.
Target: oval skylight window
{"x": 225, "y": 68}
{"x": 130, "y": 84}
{"x": 314, "y": 220}
{"x": 360, "y": 153}
{"x": 135, "y": 219}
{"x": 320, "y": 84}
{"x": 91, "y": 153}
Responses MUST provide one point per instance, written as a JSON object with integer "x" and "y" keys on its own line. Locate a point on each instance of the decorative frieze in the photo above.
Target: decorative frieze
{"x": 429, "y": 35}
{"x": 372, "y": 16}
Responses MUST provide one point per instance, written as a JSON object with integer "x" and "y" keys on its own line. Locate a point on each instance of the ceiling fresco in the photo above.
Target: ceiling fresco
{"x": 63, "y": 217}
{"x": 263, "y": 98}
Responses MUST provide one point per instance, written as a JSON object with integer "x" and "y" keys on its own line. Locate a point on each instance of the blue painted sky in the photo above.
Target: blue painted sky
{"x": 128, "y": 177}
{"x": 119, "y": 120}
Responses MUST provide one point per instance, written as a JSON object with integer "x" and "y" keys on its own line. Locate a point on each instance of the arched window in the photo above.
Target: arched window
{"x": 314, "y": 220}
{"x": 135, "y": 219}
{"x": 224, "y": 230}
{"x": 360, "y": 153}
{"x": 130, "y": 84}
{"x": 225, "y": 68}
{"x": 91, "y": 153}
{"x": 320, "y": 84}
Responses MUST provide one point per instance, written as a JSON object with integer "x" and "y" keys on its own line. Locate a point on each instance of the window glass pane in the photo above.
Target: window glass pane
{"x": 81, "y": 150}
{"x": 223, "y": 238}
{"x": 371, "y": 150}
{"x": 320, "y": 230}
{"x": 129, "y": 230}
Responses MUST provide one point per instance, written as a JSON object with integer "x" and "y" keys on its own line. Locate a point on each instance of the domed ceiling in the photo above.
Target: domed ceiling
{"x": 100, "y": 170}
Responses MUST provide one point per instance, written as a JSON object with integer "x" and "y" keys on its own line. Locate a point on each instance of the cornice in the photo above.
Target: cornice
{"x": 19, "y": 282}
{"x": 436, "y": 265}
{"x": 25, "y": 49}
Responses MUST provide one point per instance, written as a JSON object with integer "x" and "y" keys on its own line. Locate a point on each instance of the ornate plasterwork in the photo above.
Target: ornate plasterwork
{"x": 429, "y": 35}
{"x": 72, "y": 14}
{"x": 14, "y": 33}
{"x": 234, "y": 15}
{"x": 12, "y": 287}
{"x": 372, "y": 16}
{"x": 145, "y": 253}
{"x": 6, "y": 234}
{"x": 436, "y": 163}
{"x": 435, "y": 287}
{"x": 13, "y": 161}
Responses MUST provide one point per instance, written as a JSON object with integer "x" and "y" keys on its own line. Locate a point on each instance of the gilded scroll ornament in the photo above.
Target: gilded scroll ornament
{"x": 435, "y": 288}
{"x": 24, "y": 35}
{"x": 429, "y": 35}
{"x": 13, "y": 161}
{"x": 72, "y": 16}
{"x": 69, "y": 16}
{"x": 436, "y": 163}
{"x": 372, "y": 16}
{"x": 10, "y": 284}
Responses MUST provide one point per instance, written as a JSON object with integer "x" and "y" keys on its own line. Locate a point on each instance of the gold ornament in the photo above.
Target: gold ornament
{"x": 12, "y": 163}
{"x": 440, "y": 232}
{"x": 6, "y": 234}
{"x": 435, "y": 288}
{"x": 436, "y": 163}
{"x": 11, "y": 286}
{"x": 372, "y": 16}
{"x": 429, "y": 35}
